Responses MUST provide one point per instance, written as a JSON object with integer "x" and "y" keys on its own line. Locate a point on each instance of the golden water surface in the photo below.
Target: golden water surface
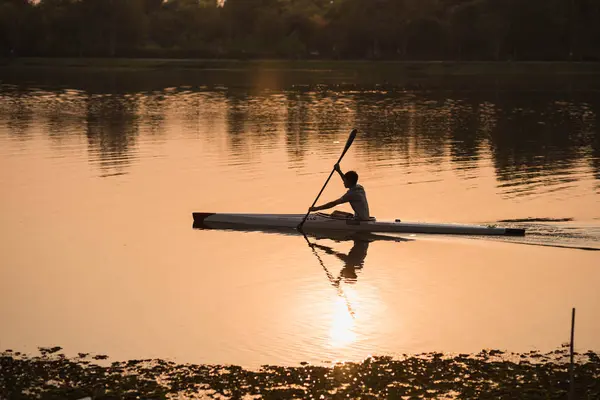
{"x": 98, "y": 254}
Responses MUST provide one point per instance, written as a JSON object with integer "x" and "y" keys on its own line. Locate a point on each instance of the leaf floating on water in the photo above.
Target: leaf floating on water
{"x": 49, "y": 350}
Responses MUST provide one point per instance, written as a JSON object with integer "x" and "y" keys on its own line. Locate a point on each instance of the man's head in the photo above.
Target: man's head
{"x": 350, "y": 179}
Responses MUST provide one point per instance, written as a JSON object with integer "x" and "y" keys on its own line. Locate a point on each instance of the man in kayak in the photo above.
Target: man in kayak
{"x": 355, "y": 195}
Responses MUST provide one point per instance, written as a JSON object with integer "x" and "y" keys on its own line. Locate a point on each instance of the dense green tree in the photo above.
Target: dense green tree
{"x": 16, "y": 18}
{"x": 60, "y": 20}
{"x": 373, "y": 29}
{"x": 305, "y": 25}
{"x": 113, "y": 27}
{"x": 187, "y": 25}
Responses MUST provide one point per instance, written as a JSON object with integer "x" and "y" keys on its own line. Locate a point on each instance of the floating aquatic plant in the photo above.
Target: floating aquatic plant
{"x": 490, "y": 374}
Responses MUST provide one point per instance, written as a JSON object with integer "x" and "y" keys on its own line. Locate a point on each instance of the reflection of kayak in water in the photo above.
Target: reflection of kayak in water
{"x": 355, "y": 236}
{"x": 321, "y": 222}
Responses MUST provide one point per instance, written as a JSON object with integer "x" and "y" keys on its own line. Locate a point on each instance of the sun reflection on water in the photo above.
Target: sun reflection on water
{"x": 341, "y": 333}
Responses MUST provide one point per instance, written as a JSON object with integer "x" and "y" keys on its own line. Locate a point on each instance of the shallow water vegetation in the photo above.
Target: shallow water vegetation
{"x": 490, "y": 374}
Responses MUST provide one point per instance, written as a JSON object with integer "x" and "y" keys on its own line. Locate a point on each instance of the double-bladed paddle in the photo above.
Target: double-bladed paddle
{"x": 348, "y": 144}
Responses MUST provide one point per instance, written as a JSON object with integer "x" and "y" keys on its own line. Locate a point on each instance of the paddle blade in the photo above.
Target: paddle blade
{"x": 348, "y": 143}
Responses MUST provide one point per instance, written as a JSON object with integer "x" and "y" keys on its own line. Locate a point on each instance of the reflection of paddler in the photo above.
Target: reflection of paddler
{"x": 353, "y": 260}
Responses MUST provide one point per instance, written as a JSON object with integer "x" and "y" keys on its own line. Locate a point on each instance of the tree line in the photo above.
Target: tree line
{"x": 302, "y": 29}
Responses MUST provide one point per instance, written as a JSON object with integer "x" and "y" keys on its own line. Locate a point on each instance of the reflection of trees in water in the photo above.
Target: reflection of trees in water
{"x": 237, "y": 115}
{"x": 595, "y": 149}
{"x": 59, "y": 112}
{"x": 298, "y": 125}
{"x": 112, "y": 128}
{"x": 387, "y": 122}
{"x": 416, "y": 129}
{"x": 540, "y": 145}
{"x": 468, "y": 125}
{"x": 151, "y": 110}
{"x": 426, "y": 129}
{"x": 64, "y": 113}
{"x": 200, "y": 111}
{"x": 19, "y": 113}
{"x": 583, "y": 116}
{"x": 311, "y": 117}
{"x": 430, "y": 136}
{"x": 253, "y": 120}
{"x": 535, "y": 141}
{"x": 304, "y": 117}
{"x": 332, "y": 112}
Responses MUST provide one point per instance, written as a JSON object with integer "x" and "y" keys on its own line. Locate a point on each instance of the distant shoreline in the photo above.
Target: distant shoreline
{"x": 452, "y": 68}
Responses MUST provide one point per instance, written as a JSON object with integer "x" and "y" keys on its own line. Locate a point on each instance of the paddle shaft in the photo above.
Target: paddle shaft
{"x": 348, "y": 144}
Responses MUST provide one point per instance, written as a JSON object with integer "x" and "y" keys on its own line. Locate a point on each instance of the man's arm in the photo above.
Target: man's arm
{"x": 339, "y": 171}
{"x": 329, "y": 250}
{"x": 333, "y": 203}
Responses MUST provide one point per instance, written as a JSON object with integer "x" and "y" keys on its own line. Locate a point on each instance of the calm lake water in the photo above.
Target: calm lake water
{"x": 99, "y": 176}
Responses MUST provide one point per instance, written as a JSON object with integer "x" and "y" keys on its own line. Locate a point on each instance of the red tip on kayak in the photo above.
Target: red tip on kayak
{"x": 200, "y": 217}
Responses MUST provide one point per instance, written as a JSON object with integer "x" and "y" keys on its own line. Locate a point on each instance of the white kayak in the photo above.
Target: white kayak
{"x": 325, "y": 222}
